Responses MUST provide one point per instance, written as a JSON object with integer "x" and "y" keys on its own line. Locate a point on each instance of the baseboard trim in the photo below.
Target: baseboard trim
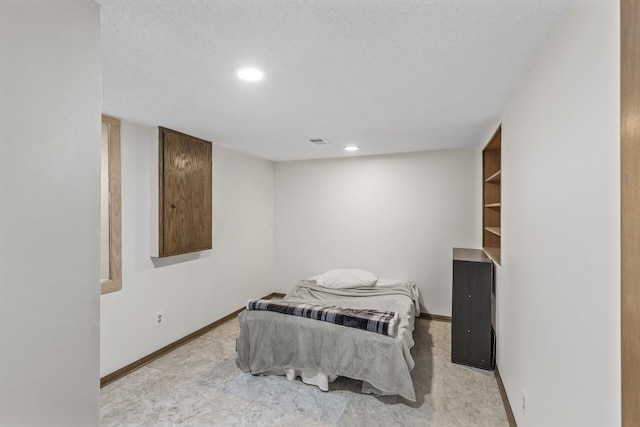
{"x": 109, "y": 378}
{"x": 436, "y": 317}
{"x": 505, "y": 400}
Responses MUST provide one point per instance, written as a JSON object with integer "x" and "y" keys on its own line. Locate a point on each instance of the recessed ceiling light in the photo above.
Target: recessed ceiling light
{"x": 250, "y": 74}
{"x": 351, "y": 148}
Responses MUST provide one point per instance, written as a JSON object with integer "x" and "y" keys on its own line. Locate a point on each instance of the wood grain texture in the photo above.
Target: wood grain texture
{"x": 493, "y": 253}
{"x": 471, "y": 308}
{"x": 115, "y": 208}
{"x": 630, "y": 209}
{"x": 185, "y": 193}
{"x": 492, "y": 194}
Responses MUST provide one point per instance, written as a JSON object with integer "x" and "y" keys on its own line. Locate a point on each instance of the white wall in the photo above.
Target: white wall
{"x": 193, "y": 290}
{"x": 397, "y": 216}
{"x": 559, "y": 285}
{"x": 49, "y": 219}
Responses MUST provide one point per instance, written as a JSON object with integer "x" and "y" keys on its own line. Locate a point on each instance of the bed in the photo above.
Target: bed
{"x": 273, "y": 343}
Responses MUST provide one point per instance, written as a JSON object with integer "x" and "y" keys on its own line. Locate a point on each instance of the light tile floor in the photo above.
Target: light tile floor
{"x": 199, "y": 384}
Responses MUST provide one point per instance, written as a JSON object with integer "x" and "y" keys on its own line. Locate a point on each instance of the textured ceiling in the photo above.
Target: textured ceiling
{"x": 388, "y": 75}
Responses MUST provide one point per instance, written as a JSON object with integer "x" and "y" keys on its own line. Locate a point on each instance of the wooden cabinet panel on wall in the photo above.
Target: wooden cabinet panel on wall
{"x": 185, "y": 192}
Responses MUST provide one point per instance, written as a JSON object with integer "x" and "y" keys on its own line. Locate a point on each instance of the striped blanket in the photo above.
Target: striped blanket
{"x": 381, "y": 322}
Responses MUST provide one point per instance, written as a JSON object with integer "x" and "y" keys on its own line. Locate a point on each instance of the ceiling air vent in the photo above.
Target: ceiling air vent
{"x": 318, "y": 141}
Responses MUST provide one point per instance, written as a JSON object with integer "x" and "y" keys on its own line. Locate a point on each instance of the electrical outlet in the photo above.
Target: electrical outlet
{"x": 524, "y": 402}
{"x": 159, "y": 318}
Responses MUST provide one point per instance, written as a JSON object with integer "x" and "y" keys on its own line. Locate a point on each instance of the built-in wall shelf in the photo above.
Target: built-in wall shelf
{"x": 493, "y": 253}
{"x": 493, "y": 230}
{"x": 492, "y": 195}
{"x": 495, "y": 178}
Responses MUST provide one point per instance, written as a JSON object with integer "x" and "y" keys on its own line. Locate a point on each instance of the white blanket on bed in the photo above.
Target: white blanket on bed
{"x": 273, "y": 343}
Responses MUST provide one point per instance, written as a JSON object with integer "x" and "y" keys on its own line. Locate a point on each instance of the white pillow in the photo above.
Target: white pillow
{"x": 384, "y": 281}
{"x": 344, "y": 278}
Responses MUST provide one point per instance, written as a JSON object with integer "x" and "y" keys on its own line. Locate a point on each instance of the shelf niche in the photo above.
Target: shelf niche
{"x": 491, "y": 195}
